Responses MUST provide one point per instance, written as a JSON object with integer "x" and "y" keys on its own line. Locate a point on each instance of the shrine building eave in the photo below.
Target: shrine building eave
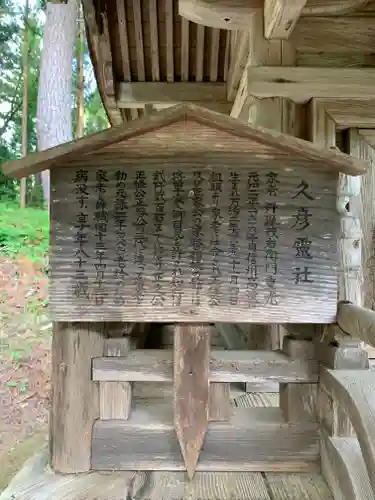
{"x": 62, "y": 155}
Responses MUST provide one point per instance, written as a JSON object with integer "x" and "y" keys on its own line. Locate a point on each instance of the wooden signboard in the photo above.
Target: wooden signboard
{"x": 182, "y": 241}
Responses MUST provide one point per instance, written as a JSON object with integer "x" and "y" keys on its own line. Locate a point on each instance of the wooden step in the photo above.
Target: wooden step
{"x": 156, "y": 365}
{"x": 256, "y": 439}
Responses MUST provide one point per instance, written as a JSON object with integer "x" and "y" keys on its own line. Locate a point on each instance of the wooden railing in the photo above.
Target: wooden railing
{"x": 347, "y": 404}
{"x": 352, "y": 393}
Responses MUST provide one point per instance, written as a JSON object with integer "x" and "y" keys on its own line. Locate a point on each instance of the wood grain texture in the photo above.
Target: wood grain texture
{"x": 75, "y": 397}
{"x": 302, "y": 84}
{"x": 191, "y": 390}
{"x": 146, "y": 133}
{"x": 220, "y": 407}
{"x": 353, "y": 391}
{"x": 115, "y": 397}
{"x": 297, "y": 487}
{"x": 147, "y": 441}
{"x": 281, "y": 16}
{"x": 225, "y": 366}
{"x": 229, "y": 249}
{"x": 346, "y": 461}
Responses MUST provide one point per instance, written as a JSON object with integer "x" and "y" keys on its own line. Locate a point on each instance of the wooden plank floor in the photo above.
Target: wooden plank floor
{"x": 37, "y": 482}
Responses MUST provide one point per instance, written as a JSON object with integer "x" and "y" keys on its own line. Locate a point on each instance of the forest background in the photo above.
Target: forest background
{"x": 25, "y": 330}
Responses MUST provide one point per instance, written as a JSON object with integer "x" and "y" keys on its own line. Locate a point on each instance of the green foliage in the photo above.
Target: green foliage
{"x": 23, "y": 231}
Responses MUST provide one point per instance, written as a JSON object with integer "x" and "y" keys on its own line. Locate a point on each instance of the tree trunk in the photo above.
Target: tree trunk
{"x": 80, "y": 76}
{"x": 54, "y": 105}
{"x": 25, "y": 71}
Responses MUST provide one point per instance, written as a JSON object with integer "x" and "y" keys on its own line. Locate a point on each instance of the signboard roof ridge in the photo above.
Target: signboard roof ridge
{"x": 58, "y": 155}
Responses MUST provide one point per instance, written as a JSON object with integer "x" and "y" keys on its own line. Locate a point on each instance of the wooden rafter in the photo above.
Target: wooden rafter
{"x": 154, "y": 40}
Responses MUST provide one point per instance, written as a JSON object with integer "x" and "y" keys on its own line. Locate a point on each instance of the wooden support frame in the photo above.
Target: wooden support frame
{"x": 148, "y": 442}
{"x": 75, "y": 397}
{"x": 322, "y": 132}
{"x": 299, "y": 401}
{"x": 225, "y": 366}
{"x": 115, "y": 397}
{"x": 138, "y": 94}
{"x": 343, "y": 463}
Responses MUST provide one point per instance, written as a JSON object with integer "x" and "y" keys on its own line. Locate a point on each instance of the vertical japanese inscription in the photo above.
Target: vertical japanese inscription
{"x": 216, "y": 188}
{"x": 178, "y": 212}
{"x": 197, "y": 238}
{"x": 80, "y": 288}
{"x": 302, "y": 243}
{"x": 121, "y": 222}
{"x": 159, "y": 216}
{"x": 272, "y": 235}
{"x": 140, "y": 238}
{"x": 253, "y": 184}
{"x": 234, "y": 235}
{"x": 101, "y": 225}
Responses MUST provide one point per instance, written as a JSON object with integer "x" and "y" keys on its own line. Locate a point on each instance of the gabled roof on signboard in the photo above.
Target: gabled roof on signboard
{"x": 61, "y": 155}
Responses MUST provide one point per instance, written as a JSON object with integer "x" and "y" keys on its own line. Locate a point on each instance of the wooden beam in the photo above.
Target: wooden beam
{"x": 222, "y": 14}
{"x": 302, "y": 84}
{"x": 350, "y": 113}
{"x": 191, "y": 390}
{"x": 337, "y": 35}
{"x": 280, "y": 17}
{"x": 237, "y": 14}
{"x": 225, "y": 366}
{"x": 255, "y": 439}
{"x": 357, "y": 321}
{"x": 141, "y": 93}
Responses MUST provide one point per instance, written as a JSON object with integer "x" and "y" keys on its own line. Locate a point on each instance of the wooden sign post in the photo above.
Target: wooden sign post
{"x": 191, "y": 386}
{"x": 187, "y": 217}
{"x": 253, "y": 239}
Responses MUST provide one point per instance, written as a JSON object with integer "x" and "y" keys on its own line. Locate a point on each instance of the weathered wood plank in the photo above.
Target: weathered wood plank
{"x": 146, "y": 292}
{"x": 115, "y": 397}
{"x": 353, "y": 391}
{"x": 206, "y": 486}
{"x": 191, "y": 389}
{"x": 75, "y": 397}
{"x": 189, "y": 130}
{"x": 302, "y": 84}
{"x": 299, "y": 401}
{"x": 297, "y": 487}
{"x": 220, "y": 407}
{"x": 140, "y": 93}
{"x": 147, "y": 441}
{"x": 341, "y": 35}
{"x": 349, "y": 476}
{"x": 225, "y": 366}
